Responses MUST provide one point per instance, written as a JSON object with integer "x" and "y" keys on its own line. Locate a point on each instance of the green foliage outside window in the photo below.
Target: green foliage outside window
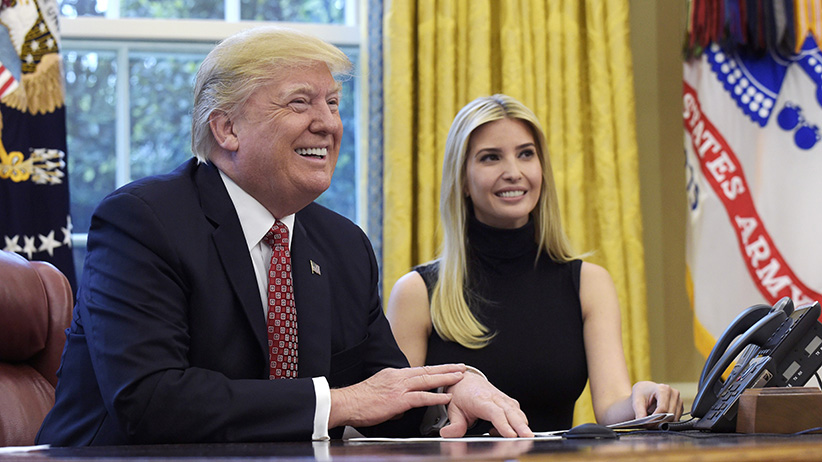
{"x": 91, "y": 123}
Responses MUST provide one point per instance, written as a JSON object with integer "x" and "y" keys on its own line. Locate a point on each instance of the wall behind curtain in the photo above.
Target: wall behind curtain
{"x": 570, "y": 62}
{"x": 657, "y": 31}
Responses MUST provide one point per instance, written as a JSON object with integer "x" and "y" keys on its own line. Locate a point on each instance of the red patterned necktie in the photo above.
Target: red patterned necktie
{"x": 282, "y": 315}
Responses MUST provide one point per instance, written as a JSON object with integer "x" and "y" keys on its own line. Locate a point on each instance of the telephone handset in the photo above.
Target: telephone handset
{"x": 775, "y": 346}
{"x": 741, "y": 324}
{"x": 751, "y": 329}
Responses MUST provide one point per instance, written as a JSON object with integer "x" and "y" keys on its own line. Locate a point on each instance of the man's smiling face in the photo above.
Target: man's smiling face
{"x": 288, "y": 139}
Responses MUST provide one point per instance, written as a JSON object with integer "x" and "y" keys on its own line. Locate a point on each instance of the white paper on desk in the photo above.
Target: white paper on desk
{"x": 556, "y": 434}
{"x": 653, "y": 419}
{"x": 468, "y": 439}
{"x": 13, "y": 449}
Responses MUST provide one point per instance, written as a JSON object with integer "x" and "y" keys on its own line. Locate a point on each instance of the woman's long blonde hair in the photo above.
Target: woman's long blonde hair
{"x": 450, "y": 314}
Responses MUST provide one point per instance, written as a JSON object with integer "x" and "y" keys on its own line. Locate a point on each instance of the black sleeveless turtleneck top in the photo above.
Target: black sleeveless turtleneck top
{"x": 537, "y": 356}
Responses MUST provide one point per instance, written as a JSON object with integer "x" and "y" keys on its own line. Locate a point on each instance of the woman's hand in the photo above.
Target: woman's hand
{"x": 655, "y": 398}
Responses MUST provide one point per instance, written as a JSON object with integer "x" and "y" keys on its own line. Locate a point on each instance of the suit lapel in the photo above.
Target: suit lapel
{"x": 312, "y": 298}
{"x": 231, "y": 247}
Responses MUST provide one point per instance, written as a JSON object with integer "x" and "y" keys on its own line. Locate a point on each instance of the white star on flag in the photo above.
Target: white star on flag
{"x": 48, "y": 243}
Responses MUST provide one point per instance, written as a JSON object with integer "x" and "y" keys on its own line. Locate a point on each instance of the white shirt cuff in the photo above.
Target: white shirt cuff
{"x": 322, "y": 411}
{"x": 475, "y": 371}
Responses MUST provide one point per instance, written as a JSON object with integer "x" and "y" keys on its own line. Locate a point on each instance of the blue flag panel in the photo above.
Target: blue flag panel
{"x": 34, "y": 190}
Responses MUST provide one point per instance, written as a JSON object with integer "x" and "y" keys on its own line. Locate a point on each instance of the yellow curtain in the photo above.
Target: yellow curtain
{"x": 569, "y": 61}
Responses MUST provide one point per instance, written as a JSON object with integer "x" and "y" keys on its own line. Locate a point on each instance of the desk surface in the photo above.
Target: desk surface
{"x": 656, "y": 446}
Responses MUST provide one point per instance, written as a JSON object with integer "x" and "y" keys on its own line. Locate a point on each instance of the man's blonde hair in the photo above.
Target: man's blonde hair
{"x": 242, "y": 63}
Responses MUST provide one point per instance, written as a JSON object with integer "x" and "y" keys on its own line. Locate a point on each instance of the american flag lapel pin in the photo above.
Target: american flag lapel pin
{"x": 315, "y": 268}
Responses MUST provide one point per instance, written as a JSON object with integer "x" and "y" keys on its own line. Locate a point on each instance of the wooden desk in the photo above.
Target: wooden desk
{"x": 656, "y": 446}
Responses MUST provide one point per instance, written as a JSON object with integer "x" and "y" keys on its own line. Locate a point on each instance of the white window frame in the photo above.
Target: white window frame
{"x": 190, "y": 30}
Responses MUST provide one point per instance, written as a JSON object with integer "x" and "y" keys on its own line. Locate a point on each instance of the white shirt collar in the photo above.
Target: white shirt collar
{"x": 255, "y": 219}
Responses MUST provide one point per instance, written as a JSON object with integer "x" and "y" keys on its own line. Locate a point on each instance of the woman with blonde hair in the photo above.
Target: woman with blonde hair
{"x": 507, "y": 294}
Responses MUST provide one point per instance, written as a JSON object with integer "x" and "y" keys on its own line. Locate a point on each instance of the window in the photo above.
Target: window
{"x": 307, "y": 11}
{"x": 130, "y": 67}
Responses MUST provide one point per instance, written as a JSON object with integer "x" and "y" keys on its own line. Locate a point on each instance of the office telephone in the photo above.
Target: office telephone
{"x": 774, "y": 346}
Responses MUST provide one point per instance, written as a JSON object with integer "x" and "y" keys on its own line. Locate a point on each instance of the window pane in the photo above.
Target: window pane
{"x": 165, "y": 9}
{"x": 173, "y": 9}
{"x": 318, "y": 11}
{"x": 342, "y": 195}
{"x": 161, "y": 99}
{"x": 74, "y": 8}
{"x": 90, "y": 121}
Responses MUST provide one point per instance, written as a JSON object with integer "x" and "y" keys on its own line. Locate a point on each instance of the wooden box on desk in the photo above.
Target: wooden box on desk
{"x": 779, "y": 410}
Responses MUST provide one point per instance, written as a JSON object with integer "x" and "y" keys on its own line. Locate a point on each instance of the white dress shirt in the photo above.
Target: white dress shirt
{"x": 256, "y": 220}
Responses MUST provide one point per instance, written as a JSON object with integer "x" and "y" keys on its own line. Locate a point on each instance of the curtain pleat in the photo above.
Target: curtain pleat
{"x": 567, "y": 60}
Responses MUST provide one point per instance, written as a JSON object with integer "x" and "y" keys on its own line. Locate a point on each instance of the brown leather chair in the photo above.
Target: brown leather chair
{"x": 35, "y": 310}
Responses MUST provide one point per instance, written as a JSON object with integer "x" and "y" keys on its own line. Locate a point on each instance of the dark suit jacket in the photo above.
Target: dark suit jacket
{"x": 168, "y": 339}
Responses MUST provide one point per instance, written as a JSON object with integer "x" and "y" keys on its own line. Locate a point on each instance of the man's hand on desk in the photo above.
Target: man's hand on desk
{"x": 390, "y": 392}
{"x": 475, "y": 398}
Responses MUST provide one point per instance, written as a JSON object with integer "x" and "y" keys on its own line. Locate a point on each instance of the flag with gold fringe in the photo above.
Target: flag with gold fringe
{"x": 752, "y": 111}
{"x": 34, "y": 191}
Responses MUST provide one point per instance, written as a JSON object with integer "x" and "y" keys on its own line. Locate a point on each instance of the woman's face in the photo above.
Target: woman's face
{"x": 503, "y": 173}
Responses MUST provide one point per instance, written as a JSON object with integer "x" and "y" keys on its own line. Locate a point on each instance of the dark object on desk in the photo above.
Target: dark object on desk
{"x": 434, "y": 419}
{"x": 590, "y": 430}
{"x": 35, "y": 308}
{"x": 777, "y": 346}
{"x": 779, "y": 410}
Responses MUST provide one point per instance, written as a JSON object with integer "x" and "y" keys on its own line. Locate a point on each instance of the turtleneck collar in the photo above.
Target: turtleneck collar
{"x": 501, "y": 243}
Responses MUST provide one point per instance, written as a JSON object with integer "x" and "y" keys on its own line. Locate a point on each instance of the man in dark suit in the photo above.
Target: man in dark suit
{"x": 169, "y": 339}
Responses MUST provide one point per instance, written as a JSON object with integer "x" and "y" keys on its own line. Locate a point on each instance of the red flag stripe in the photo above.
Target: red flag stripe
{"x": 721, "y": 168}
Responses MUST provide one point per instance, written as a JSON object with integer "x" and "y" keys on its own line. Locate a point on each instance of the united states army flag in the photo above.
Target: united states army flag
{"x": 754, "y": 182}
